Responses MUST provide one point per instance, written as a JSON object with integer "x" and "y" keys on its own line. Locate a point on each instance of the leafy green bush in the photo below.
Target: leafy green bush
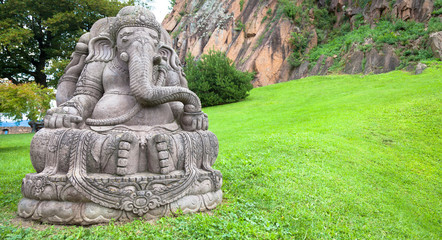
{"x": 293, "y": 12}
{"x": 299, "y": 42}
{"x": 437, "y": 9}
{"x": 435, "y": 24}
{"x": 358, "y": 20}
{"x": 239, "y": 25}
{"x": 215, "y": 79}
{"x": 323, "y": 19}
{"x": 295, "y": 59}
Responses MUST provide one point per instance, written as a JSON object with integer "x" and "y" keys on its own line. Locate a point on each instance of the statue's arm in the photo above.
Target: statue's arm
{"x": 88, "y": 92}
{"x": 89, "y": 89}
{"x": 189, "y": 121}
{"x": 67, "y": 83}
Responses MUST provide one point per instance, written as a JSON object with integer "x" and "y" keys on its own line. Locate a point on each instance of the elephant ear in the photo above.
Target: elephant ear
{"x": 173, "y": 60}
{"x": 175, "y": 76}
{"x": 100, "y": 50}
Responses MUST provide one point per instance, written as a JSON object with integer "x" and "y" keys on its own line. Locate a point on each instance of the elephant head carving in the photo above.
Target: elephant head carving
{"x": 135, "y": 37}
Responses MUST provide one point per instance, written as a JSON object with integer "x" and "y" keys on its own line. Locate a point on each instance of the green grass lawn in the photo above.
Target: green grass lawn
{"x": 327, "y": 157}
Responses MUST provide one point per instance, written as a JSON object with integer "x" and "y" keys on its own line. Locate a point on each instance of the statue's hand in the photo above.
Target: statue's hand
{"x": 194, "y": 121}
{"x": 62, "y": 117}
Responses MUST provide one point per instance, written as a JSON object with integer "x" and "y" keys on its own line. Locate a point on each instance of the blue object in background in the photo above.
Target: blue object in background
{"x": 23, "y": 123}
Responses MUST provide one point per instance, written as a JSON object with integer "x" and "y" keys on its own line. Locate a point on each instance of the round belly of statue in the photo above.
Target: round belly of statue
{"x": 117, "y": 109}
{"x": 145, "y": 152}
{"x": 112, "y": 105}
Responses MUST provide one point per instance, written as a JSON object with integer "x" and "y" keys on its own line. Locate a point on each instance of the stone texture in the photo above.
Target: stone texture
{"x": 88, "y": 213}
{"x": 420, "y": 68}
{"x": 317, "y": 68}
{"x": 321, "y": 67}
{"x": 354, "y": 63}
{"x": 378, "y": 9}
{"x": 128, "y": 139}
{"x": 381, "y": 61}
{"x": 328, "y": 63}
{"x": 416, "y": 10}
{"x": 436, "y": 44}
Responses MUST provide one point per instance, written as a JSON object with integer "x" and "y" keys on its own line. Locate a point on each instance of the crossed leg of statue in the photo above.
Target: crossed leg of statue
{"x": 122, "y": 153}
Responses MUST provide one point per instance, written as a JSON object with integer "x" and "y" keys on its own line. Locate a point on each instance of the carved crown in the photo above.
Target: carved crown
{"x": 134, "y": 16}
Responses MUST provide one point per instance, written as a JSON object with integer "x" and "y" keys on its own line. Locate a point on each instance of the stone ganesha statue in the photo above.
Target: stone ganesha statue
{"x": 127, "y": 139}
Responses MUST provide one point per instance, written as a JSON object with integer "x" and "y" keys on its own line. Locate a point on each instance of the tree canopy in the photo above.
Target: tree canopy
{"x": 38, "y": 36}
{"x": 29, "y": 99}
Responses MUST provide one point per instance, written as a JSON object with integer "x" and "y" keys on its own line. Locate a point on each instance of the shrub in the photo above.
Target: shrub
{"x": 215, "y": 79}
{"x": 323, "y": 19}
{"x": 358, "y": 20}
{"x": 435, "y": 24}
{"x": 437, "y": 9}
{"x": 29, "y": 99}
{"x": 299, "y": 41}
{"x": 295, "y": 59}
{"x": 241, "y": 5}
{"x": 239, "y": 25}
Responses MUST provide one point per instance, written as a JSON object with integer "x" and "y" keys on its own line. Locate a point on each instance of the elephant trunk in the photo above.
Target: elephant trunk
{"x": 142, "y": 83}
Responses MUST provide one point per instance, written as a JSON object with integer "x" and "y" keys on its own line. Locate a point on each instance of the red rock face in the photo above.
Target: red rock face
{"x": 248, "y": 31}
{"x": 417, "y": 10}
{"x": 436, "y": 44}
{"x": 255, "y": 36}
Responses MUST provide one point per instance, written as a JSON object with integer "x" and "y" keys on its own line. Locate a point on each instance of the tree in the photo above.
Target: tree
{"x": 216, "y": 80}
{"x": 29, "y": 99}
{"x": 37, "y": 36}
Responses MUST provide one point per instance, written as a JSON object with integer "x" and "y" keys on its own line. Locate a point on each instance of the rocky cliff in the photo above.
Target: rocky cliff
{"x": 256, "y": 34}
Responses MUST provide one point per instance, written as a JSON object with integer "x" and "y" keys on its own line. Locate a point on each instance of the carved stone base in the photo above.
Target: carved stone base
{"x": 88, "y": 213}
{"x": 63, "y": 191}
{"x": 128, "y": 139}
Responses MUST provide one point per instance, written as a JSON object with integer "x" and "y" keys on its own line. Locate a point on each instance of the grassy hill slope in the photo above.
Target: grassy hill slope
{"x": 348, "y": 156}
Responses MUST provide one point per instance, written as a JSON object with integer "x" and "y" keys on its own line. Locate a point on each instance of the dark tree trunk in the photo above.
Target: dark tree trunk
{"x": 39, "y": 75}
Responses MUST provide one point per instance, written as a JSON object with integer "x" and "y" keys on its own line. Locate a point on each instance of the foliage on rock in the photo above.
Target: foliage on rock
{"x": 172, "y": 3}
{"x": 215, "y": 79}
{"x": 29, "y": 99}
{"x": 356, "y": 29}
{"x": 311, "y": 20}
{"x": 280, "y": 39}
{"x": 38, "y": 34}
{"x": 400, "y": 34}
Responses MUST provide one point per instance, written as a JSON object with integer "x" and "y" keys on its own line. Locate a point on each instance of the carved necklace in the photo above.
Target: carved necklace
{"x": 117, "y": 68}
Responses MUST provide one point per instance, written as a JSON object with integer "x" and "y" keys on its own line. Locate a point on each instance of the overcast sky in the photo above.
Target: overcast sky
{"x": 160, "y": 8}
